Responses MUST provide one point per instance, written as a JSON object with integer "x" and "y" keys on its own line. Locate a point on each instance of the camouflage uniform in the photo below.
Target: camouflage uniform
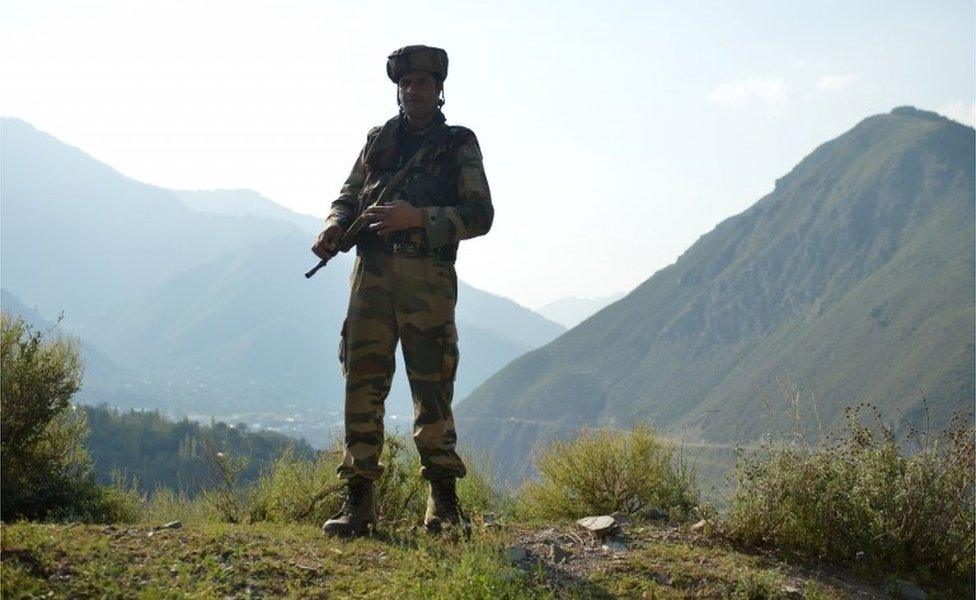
{"x": 405, "y": 288}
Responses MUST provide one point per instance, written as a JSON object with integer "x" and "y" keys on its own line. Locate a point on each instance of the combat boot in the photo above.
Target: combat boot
{"x": 358, "y": 511}
{"x": 442, "y": 506}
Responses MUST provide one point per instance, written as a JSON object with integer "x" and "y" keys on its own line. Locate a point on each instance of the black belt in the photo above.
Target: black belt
{"x": 405, "y": 249}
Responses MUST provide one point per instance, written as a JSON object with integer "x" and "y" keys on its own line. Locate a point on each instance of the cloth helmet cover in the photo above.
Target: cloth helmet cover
{"x": 417, "y": 58}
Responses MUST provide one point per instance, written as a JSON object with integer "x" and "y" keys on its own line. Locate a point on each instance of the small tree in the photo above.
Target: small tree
{"x": 45, "y": 468}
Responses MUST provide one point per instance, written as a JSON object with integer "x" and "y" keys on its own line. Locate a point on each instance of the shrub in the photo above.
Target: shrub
{"x": 759, "y": 585}
{"x": 300, "y": 490}
{"x": 46, "y": 470}
{"x": 600, "y": 472}
{"x": 861, "y": 497}
{"x": 295, "y": 489}
{"x": 165, "y": 505}
{"x": 475, "y": 492}
{"x": 401, "y": 495}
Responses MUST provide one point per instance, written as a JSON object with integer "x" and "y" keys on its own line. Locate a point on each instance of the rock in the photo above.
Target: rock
{"x": 620, "y": 517}
{"x": 516, "y": 554}
{"x": 601, "y": 526}
{"x": 908, "y": 590}
{"x": 614, "y": 546}
{"x": 700, "y": 525}
{"x": 791, "y": 591}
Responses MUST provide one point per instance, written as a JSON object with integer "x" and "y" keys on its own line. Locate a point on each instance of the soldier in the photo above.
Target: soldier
{"x": 404, "y": 286}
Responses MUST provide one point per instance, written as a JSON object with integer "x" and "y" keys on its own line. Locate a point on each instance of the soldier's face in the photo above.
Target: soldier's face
{"x": 418, "y": 94}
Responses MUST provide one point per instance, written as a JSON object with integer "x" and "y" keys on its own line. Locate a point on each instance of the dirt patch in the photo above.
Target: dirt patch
{"x": 692, "y": 564}
{"x": 569, "y": 555}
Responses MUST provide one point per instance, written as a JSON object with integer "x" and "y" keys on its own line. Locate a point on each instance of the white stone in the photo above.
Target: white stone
{"x": 602, "y": 525}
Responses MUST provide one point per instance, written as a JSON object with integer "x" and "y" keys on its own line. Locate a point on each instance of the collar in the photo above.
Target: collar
{"x": 435, "y": 123}
{"x": 383, "y": 152}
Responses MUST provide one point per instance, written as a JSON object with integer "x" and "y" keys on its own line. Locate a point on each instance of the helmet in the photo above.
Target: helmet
{"x": 417, "y": 58}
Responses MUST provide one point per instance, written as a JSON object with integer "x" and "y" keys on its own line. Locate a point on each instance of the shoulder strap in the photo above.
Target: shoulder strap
{"x": 349, "y": 237}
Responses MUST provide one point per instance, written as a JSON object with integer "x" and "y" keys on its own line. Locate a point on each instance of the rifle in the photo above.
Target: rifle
{"x": 349, "y": 237}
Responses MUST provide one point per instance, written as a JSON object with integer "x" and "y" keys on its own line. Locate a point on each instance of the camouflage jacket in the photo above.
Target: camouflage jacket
{"x": 448, "y": 184}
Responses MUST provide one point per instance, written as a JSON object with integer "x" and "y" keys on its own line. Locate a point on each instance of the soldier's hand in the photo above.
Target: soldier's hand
{"x": 395, "y": 216}
{"x": 327, "y": 241}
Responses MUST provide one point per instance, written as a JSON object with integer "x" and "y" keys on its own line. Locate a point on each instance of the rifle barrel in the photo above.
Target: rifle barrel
{"x": 321, "y": 264}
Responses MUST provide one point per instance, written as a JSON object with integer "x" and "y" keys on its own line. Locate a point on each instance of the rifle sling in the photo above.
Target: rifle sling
{"x": 349, "y": 237}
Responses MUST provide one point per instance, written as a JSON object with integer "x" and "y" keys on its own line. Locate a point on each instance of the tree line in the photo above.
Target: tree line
{"x": 158, "y": 452}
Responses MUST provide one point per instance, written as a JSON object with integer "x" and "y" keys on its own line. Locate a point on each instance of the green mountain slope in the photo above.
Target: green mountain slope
{"x": 570, "y": 312}
{"x": 852, "y": 280}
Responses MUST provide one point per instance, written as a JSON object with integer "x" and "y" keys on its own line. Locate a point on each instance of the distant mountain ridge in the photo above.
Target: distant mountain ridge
{"x": 105, "y": 380}
{"x": 198, "y": 297}
{"x": 244, "y": 202}
{"x": 570, "y": 312}
{"x": 79, "y": 235}
{"x": 852, "y": 280}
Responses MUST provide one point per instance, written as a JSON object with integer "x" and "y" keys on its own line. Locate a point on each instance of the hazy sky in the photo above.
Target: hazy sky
{"x": 614, "y": 133}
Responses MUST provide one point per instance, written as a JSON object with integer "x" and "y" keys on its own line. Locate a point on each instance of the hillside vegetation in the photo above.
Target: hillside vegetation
{"x": 156, "y": 452}
{"x": 905, "y": 516}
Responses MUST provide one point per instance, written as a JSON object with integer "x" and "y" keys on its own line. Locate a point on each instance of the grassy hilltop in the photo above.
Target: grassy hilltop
{"x": 241, "y": 561}
{"x": 855, "y": 518}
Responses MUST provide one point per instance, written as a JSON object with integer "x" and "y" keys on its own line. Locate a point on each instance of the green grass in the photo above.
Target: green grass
{"x": 216, "y": 560}
{"x": 262, "y": 539}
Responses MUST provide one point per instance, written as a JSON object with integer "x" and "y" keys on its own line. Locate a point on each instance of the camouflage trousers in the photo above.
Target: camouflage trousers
{"x": 408, "y": 299}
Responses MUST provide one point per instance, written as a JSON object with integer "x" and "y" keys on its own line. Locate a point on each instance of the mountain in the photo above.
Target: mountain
{"x": 518, "y": 324}
{"x": 105, "y": 380}
{"x": 77, "y": 235}
{"x": 570, "y": 312}
{"x": 195, "y": 301}
{"x": 244, "y": 202}
{"x": 852, "y": 280}
{"x": 260, "y": 338}
{"x": 13, "y": 306}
